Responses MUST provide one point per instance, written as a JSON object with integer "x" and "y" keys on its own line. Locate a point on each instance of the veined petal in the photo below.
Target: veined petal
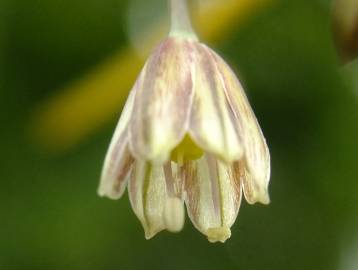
{"x": 150, "y": 201}
{"x": 213, "y": 125}
{"x": 257, "y": 156}
{"x": 118, "y": 160}
{"x": 163, "y": 102}
{"x": 253, "y": 190}
{"x": 213, "y": 197}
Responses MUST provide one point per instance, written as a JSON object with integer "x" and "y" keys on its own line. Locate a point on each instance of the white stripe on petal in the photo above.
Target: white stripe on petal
{"x": 257, "y": 154}
{"x": 213, "y": 125}
{"x": 118, "y": 160}
{"x": 213, "y": 197}
{"x": 163, "y": 102}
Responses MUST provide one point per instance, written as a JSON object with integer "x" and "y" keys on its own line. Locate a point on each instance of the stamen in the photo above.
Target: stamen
{"x": 215, "y": 192}
{"x": 174, "y": 214}
{"x": 216, "y": 189}
{"x": 169, "y": 179}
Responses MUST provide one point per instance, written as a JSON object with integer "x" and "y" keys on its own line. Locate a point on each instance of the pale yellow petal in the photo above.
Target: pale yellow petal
{"x": 118, "y": 160}
{"x": 212, "y": 125}
{"x": 162, "y": 103}
{"x": 257, "y": 156}
{"x": 213, "y": 197}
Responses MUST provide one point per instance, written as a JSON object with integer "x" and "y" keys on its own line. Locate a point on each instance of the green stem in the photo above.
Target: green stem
{"x": 180, "y": 19}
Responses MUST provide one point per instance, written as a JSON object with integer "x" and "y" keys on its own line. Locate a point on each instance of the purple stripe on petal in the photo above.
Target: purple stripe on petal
{"x": 212, "y": 124}
{"x": 163, "y": 102}
{"x": 257, "y": 156}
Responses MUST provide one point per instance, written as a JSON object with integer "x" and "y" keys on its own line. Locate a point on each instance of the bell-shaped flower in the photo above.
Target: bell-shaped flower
{"x": 187, "y": 135}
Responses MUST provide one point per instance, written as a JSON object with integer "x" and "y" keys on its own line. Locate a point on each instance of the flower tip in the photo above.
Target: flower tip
{"x": 262, "y": 197}
{"x": 219, "y": 234}
{"x": 104, "y": 191}
{"x": 149, "y": 234}
{"x": 150, "y": 230}
{"x": 100, "y": 193}
{"x": 266, "y": 199}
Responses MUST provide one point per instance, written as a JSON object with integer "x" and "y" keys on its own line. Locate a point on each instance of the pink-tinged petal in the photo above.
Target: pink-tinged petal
{"x": 118, "y": 160}
{"x": 213, "y": 125}
{"x": 163, "y": 102}
{"x": 150, "y": 201}
{"x": 257, "y": 156}
{"x": 213, "y": 197}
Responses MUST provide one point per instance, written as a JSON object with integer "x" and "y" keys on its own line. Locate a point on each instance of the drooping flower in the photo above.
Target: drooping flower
{"x": 187, "y": 135}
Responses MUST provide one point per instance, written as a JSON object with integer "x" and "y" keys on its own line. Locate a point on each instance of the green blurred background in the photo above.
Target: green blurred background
{"x": 306, "y": 102}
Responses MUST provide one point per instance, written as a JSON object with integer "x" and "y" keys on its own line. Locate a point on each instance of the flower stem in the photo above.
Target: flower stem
{"x": 180, "y": 19}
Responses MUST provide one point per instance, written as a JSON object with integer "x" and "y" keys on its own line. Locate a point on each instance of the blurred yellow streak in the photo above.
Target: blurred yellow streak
{"x": 87, "y": 104}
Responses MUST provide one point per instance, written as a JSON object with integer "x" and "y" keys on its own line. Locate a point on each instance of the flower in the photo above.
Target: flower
{"x": 187, "y": 135}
